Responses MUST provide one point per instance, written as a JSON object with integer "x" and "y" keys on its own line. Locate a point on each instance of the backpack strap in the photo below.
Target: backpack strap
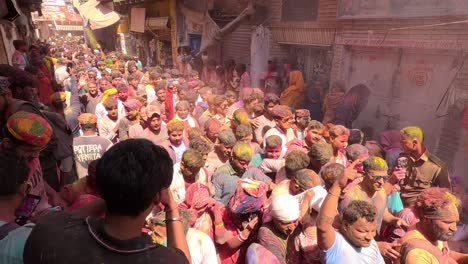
{"x": 7, "y": 228}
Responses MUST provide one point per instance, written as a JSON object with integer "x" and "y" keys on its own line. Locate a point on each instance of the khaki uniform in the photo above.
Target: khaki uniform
{"x": 428, "y": 171}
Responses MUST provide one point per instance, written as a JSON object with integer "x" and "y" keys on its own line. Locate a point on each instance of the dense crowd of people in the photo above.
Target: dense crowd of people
{"x": 104, "y": 161}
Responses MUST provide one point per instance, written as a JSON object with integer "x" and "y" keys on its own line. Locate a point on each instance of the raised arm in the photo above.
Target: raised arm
{"x": 326, "y": 217}
{"x": 329, "y": 210}
{"x": 174, "y": 228}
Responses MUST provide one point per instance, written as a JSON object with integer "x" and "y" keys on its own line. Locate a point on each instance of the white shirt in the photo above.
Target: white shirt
{"x": 179, "y": 151}
{"x": 191, "y": 122}
{"x": 101, "y": 111}
{"x": 61, "y": 73}
{"x": 18, "y": 60}
{"x": 201, "y": 247}
{"x": 300, "y": 134}
{"x": 150, "y": 93}
{"x": 342, "y": 252}
{"x": 106, "y": 127}
{"x": 265, "y": 125}
{"x": 285, "y": 138}
{"x": 178, "y": 184}
{"x": 341, "y": 159}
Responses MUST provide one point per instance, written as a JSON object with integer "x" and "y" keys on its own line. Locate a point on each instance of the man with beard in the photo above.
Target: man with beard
{"x": 274, "y": 234}
{"x": 426, "y": 242}
{"x": 156, "y": 132}
{"x": 187, "y": 172}
{"x": 371, "y": 190}
{"x": 225, "y": 178}
{"x": 302, "y": 118}
{"x": 90, "y": 99}
{"x": 211, "y": 130}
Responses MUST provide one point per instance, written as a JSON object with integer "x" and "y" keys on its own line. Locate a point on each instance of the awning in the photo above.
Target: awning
{"x": 157, "y": 23}
{"x": 304, "y": 36}
{"x": 68, "y": 28}
{"x": 99, "y": 13}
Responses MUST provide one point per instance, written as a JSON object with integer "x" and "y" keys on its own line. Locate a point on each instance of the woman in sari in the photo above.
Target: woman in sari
{"x": 293, "y": 96}
{"x": 332, "y": 100}
{"x": 354, "y": 102}
{"x": 314, "y": 99}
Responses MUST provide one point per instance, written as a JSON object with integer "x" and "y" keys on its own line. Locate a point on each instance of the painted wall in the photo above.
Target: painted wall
{"x": 410, "y": 71}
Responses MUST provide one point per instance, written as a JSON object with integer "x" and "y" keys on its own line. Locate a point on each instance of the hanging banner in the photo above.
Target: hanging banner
{"x": 100, "y": 15}
{"x": 137, "y": 19}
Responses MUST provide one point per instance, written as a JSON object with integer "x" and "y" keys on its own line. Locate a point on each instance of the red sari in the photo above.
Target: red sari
{"x": 44, "y": 85}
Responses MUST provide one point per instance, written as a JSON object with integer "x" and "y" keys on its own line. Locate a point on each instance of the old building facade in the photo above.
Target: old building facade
{"x": 412, "y": 56}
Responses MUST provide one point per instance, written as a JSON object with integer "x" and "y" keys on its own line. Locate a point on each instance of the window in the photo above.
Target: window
{"x": 299, "y": 10}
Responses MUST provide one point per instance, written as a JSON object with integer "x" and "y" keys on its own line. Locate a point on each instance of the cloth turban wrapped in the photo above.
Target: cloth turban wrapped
{"x": 29, "y": 128}
{"x": 285, "y": 208}
{"x": 249, "y": 196}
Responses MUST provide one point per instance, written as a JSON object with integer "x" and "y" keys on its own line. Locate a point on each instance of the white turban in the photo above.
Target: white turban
{"x": 285, "y": 208}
